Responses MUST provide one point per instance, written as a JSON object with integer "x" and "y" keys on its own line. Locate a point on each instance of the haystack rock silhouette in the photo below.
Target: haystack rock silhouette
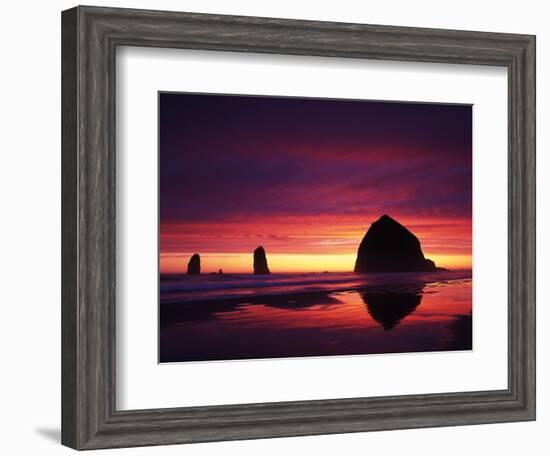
{"x": 260, "y": 261}
{"x": 194, "y": 265}
{"x": 390, "y": 247}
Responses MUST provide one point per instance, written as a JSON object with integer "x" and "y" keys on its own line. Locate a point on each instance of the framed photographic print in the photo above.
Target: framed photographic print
{"x": 276, "y": 227}
{"x": 302, "y": 177}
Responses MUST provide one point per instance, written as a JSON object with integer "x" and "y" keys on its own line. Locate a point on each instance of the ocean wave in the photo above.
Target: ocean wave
{"x": 221, "y": 286}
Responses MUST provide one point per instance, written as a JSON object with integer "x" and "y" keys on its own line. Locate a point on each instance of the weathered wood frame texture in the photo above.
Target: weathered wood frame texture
{"x": 90, "y": 36}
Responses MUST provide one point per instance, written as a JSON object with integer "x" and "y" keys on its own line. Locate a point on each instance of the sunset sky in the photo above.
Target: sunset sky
{"x": 305, "y": 178}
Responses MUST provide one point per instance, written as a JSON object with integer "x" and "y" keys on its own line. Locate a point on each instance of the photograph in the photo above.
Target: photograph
{"x": 306, "y": 227}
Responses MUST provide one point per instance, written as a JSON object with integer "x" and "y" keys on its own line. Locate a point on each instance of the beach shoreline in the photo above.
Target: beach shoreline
{"x": 418, "y": 316}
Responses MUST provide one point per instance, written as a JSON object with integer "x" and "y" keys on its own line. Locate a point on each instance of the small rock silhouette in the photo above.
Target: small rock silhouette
{"x": 260, "y": 261}
{"x": 194, "y": 265}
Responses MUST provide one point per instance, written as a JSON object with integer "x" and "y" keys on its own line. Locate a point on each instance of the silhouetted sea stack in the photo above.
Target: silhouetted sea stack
{"x": 390, "y": 247}
{"x": 260, "y": 261}
{"x": 194, "y": 265}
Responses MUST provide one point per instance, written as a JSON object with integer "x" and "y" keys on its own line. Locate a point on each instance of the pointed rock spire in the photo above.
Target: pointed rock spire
{"x": 194, "y": 265}
{"x": 260, "y": 261}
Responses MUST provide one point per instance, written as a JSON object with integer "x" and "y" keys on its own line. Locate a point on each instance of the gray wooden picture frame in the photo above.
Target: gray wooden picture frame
{"x": 90, "y": 36}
